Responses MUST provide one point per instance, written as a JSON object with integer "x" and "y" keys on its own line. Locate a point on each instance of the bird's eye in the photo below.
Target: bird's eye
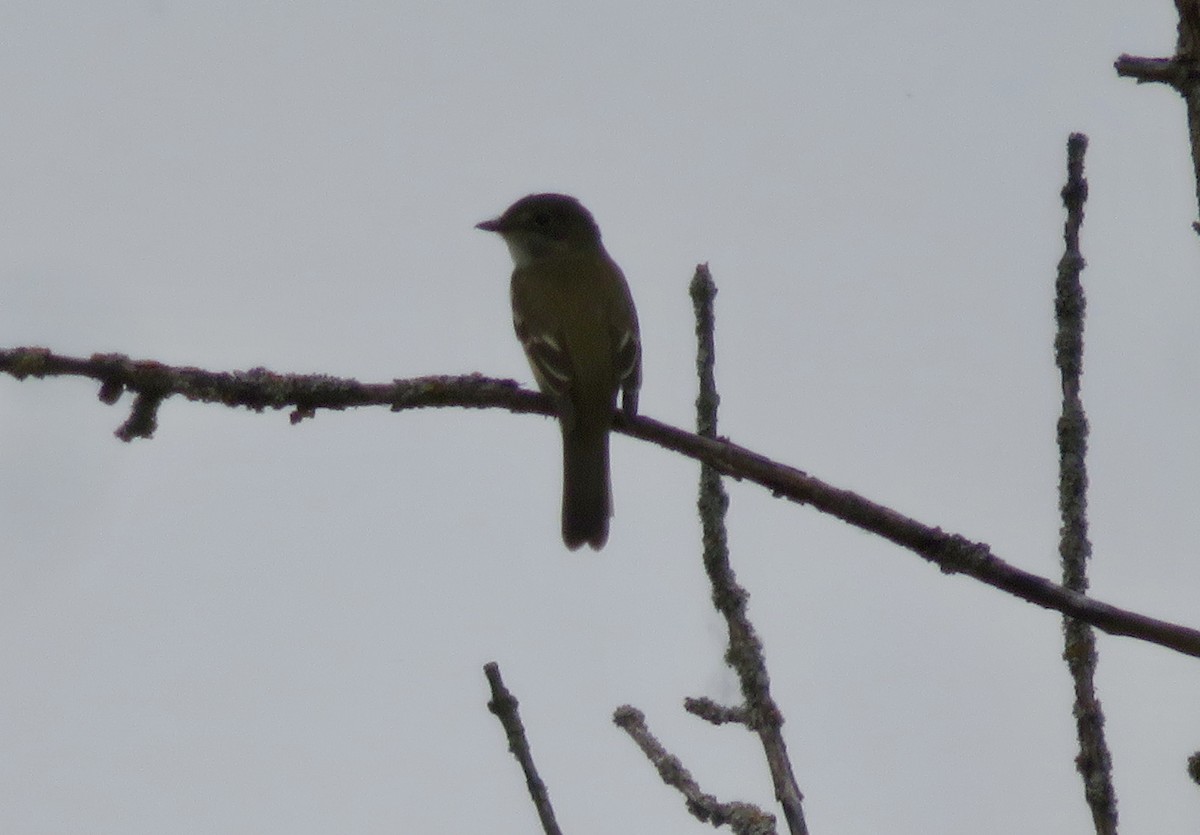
{"x": 541, "y": 219}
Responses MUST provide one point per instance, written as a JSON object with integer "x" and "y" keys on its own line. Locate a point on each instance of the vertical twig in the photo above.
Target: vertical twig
{"x": 504, "y": 706}
{"x": 745, "y": 653}
{"x": 1094, "y": 761}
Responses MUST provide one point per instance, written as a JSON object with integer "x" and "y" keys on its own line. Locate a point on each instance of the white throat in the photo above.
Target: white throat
{"x": 521, "y": 256}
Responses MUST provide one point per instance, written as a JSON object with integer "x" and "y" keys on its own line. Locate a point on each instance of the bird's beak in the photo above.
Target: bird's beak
{"x": 489, "y": 225}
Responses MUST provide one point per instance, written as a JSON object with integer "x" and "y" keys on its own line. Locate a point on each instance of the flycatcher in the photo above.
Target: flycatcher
{"x": 575, "y": 318}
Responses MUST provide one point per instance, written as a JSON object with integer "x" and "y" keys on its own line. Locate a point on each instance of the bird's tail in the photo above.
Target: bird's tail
{"x": 587, "y": 504}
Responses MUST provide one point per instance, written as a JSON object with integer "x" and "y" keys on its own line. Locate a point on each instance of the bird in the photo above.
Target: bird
{"x": 575, "y": 318}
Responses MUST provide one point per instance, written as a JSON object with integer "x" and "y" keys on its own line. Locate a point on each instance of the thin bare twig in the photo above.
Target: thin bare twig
{"x": 742, "y": 818}
{"x": 504, "y": 705}
{"x": 745, "y": 651}
{"x": 1181, "y": 71}
{"x": 1094, "y": 761}
{"x": 260, "y": 389}
{"x": 718, "y": 714}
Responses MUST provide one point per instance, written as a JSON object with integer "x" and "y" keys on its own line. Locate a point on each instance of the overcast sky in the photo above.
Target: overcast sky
{"x": 243, "y": 626}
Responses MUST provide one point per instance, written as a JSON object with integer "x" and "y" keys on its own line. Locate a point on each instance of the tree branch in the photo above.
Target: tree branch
{"x": 742, "y": 818}
{"x": 259, "y": 389}
{"x": 1094, "y": 761}
{"x": 717, "y": 714}
{"x": 1181, "y": 71}
{"x": 504, "y": 705}
{"x": 745, "y": 652}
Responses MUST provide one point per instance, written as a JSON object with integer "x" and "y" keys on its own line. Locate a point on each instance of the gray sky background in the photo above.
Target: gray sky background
{"x": 244, "y": 626}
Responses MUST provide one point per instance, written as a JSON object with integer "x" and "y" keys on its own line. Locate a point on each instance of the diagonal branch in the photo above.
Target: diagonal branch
{"x": 742, "y": 818}
{"x": 259, "y": 389}
{"x": 504, "y": 705}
